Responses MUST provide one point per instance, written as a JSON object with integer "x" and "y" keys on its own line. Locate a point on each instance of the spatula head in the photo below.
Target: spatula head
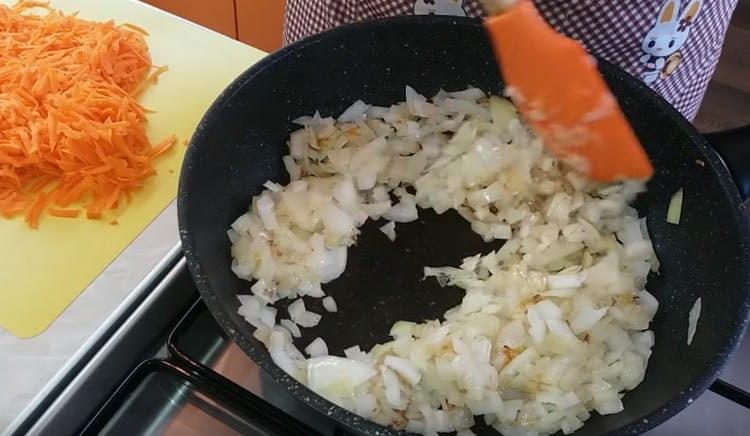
{"x": 561, "y": 94}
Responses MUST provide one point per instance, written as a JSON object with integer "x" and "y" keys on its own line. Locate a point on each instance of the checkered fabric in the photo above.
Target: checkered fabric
{"x": 308, "y": 17}
{"x": 614, "y": 30}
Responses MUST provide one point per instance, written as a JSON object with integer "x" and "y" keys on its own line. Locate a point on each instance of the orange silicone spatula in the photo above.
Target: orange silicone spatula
{"x": 562, "y": 95}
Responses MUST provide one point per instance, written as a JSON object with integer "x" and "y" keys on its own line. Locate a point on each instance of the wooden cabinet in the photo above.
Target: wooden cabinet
{"x": 255, "y": 22}
{"x": 260, "y": 23}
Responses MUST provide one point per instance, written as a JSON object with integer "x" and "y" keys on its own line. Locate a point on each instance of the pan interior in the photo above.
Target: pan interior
{"x": 240, "y": 143}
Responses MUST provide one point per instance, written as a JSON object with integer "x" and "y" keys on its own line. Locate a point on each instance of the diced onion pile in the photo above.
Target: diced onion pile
{"x": 554, "y": 324}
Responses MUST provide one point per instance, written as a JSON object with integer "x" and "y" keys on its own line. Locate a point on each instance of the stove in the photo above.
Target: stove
{"x": 168, "y": 369}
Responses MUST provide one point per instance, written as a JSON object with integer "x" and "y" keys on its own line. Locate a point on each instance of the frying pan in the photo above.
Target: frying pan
{"x": 241, "y": 140}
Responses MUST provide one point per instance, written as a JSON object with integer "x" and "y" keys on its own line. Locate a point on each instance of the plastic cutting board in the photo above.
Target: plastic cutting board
{"x": 42, "y": 271}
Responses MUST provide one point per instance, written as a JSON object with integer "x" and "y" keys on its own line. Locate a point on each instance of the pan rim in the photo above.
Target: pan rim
{"x": 349, "y": 419}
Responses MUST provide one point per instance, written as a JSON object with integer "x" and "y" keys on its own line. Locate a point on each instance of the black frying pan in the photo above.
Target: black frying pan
{"x": 241, "y": 140}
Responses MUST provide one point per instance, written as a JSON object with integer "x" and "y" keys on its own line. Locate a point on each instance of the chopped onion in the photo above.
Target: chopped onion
{"x": 266, "y": 212}
{"x": 473, "y": 94}
{"x": 693, "y": 316}
{"x": 404, "y": 368}
{"x": 268, "y": 316}
{"x": 329, "y": 304}
{"x": 292, "y": 327}
{"x": 586, "y": 317}
{"x": 296, "y": 309}
{"x": 414, "y": 426}
{"x": 330, "y": 372}
{"x": 295, "y": 172}
{"x": 403, "y": 212}
{"x": 283, "y": 353}
{"x": 354, "y": 353}
{"x": 317, "y": 348}
{"x": 563, "y": 281}
{"x": 365, "y": 404}
{"x": 308, "y": 319}
{"x": 552, "y": 325}
{"x": 393, "y": 390}
{"x": 273, "y": 187}
{"x": 389, "y": 229}
{"x": 250, "y": 306}
{"x": 355, "y": 113}
{"x": 675, "y": 208}
{"x": 502, "y": 112}
{"x": 418, "y": 104}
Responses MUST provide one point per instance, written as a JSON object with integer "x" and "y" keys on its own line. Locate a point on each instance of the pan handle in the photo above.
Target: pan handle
{"x": 731, "y": 392}
{"x": 734, "y": 148}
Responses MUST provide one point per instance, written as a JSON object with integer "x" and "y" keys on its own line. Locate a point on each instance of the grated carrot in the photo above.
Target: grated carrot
{"x": 64, "y": 213}
{"x": 72, "y": 134}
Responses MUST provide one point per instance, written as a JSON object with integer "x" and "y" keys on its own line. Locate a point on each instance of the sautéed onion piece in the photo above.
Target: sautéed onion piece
{"x": 674, "y": 212}
{"x": 554, "y": 323}
{"x": 693, "y": 317}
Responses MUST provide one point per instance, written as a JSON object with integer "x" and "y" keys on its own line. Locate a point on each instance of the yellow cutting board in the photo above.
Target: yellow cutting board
{"x": 42, "y": 271}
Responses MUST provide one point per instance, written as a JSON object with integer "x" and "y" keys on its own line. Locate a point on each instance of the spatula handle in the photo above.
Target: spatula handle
{"x": 494, "y": 7}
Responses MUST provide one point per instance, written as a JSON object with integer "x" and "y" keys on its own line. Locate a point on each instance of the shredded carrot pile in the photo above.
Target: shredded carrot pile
{"x": 72, "y": 134}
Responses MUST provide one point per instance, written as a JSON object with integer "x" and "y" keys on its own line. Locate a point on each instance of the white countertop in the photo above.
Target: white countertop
{"x": 28, "y": 365}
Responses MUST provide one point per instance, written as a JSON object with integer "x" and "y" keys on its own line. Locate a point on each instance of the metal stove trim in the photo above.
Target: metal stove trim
{"x": 32, "y": 419}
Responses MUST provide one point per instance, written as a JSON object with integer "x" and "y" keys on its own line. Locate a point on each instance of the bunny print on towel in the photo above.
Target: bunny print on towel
{"x": 663, "y": 42}
{"x": 439, "y": 7}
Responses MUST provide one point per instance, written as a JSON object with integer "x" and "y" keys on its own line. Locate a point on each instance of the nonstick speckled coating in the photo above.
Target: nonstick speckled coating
{"x": 241, "y": 139}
